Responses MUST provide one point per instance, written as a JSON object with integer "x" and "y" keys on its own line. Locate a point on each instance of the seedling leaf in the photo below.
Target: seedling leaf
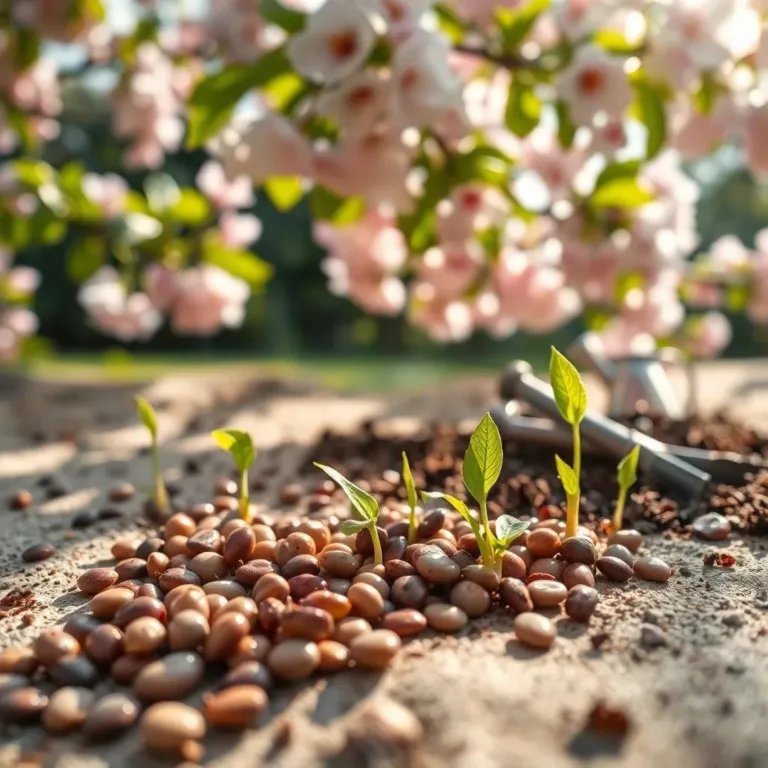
{"x": 351, "y": 527}
{"x": 628, "y": 469}
{"x": 364, "y": 506}
{"x": 147, "y": 415}
{"x": 567, "y": 477}
{"x": 570, "y": 395}
{"x": 237, "y": 443}
{"x": 482, "y": 461}
{"x": 410, "y": 487}
{"x": 508, "y": 528}
{"x": 459, "y": 506}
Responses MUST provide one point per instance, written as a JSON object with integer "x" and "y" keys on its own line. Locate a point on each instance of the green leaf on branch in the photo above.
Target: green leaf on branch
{"x": 191, "y": 208}
{"x": 32, "y": 173}
{"x": 460, "y": 507}
{"x": 287, "y": 19}
{"x": 147, "y": 416}
{"x": 567, "y": 477}
{"x": 239, "y": 263}
{"x": 650, "y": 109}
{"x": 363, "y": 504}
{"x": 570, "y": 394}
{"x": 352, "y": 527}
{"x": 482, "y": 461}
{"x": 410, "y": 486}
{"x": 509, "y": 528}
{"x": 84, "y": 257}
{"x": 523, "y": 108}
{"x": 215, "y": 97}
{"x": 709, "y": 91}
{"x": 613, "y": 171}
{"x": 486, "y": 164}
{"x": 566, "y": 128}
{"x": 626, "y": 193}
{"x": 613, "y": 41}
{"x": 628, "y": 469}
{"x": 328, "y": 206}
{"x": 449, "y": 23}
{"x": 737, "y": 297}
{"x": 237, "y": 443}
{"x": 26, "y": 48}
{"x": 515, "y": 24}
{"x": 284, "y": 191}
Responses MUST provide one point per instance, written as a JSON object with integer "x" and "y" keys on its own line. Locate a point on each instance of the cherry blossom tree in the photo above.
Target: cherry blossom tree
{"x": 478, "y": 165}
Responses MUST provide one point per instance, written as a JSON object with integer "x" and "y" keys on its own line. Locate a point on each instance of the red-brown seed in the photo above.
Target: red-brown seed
{"x": 176, "y": 577}
{"x": 96, "y": 580}
{"x": 204, "y": 541}
{"x": 20, "y": 500}
{"x": 132, "y": 568}
{"x": 629, "y": 538}
{"x": 187, "y": 631}
{"x": 179, "y": 525}
{"x": 187, "y": 597}
{"x": 547, "y": 594}
{"x": 364, "y": 542}
{"x": 431, "y": 523}
{"x": 235, "y": 707}
{"x": 301, "y": 564}
{"x": 104, "y": 645}
{"x": 406, "y": 622}
{"x": 318, "y": 531}
{"x": 270, "y": 613}
{"x": 122, "y": 549}
{"x": 250, "y": 648}
{"x": 144, "y": 636}
{"x": 125, "y": 668}
{"x": 374, "y": 580}
{"x": 140, "y": 606}
{"x": 409, "y": 592}
{"x": 157, "y": 563}
{"x": 374, "y": 650}
{"x": 248, "y": 673}
{"x": 307, "y": 622}
{"x": 513, "y": 566}
{"x": 445, "y": 618}
{"x": 366, "y": 601}
{"x": 249, "y": 573}
{"x": 578, "y": 573}
{"x": 471, "y": 598}
{"x": 581, "y": 603}
{"x": 397, "y": 568}
{"x": 578, "y": 549}
{"x": 294, "y": 659}
{"x": 38, "y": 552}
{"x": 271, "y": 585}
{"x": 652, "y": 569}
{"x": 535, "y": 630}
{"x": 614, "y": 569}
{"x": 543, "y": 542}
{"x": 209, "y": 566}
{"x": 523, "y": 553}
{"x": 333, "y": 656}
{"x": 305, "y": 584}
{"x": 486, "y": 577}
{"x": 338, "y": 606}
{"x": 53, "y": 645}
{"x": 515, "y": 594}
{"x": 349, "y": 628}
{"x": 620, "y": 551}
{"x": 239, "y": 546}
{"x": 174, "y": 728}
{"x": 339, "y": 563}
{"x": 225, "y": 634}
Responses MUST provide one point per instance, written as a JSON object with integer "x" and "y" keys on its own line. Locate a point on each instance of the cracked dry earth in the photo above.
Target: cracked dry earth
{"x": 679, "y": 669}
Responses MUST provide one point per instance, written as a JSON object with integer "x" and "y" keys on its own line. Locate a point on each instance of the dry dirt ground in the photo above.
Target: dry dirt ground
{"x": 687, "y": 662}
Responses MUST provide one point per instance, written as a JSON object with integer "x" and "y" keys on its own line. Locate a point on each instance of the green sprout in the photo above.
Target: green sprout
{"x": 627, "y": 473}
{"x": 148, "y": 418}
{"x": 412, "y": 500}
{"x": 365, "y": 511}
{"x": 571, "y": 399}
{"x": 240, "y": 445}
{"x": 481, "y": 470}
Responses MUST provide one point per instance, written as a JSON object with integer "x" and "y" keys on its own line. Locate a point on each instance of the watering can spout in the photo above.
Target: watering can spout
{"x": 588, "y": 352}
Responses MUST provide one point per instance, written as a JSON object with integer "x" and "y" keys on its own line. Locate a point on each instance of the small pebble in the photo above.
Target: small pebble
{"x": 122, "y": 492}
{"x": 652, "y": 636}
{"x": 445, "y": 617}
{"x": 171, "y": 677}
{"x": 581, "y": 602}
{"x": 712, "y": 527}
{"x": 173, "y": 727}
{"x": 67, "y": 709}
{"x": 547, "y": 594}
{"x": 405, "y": 622}
{"x": 110, "y": 717}
{"x": 374, "y": 650}
{"x": 614, "y": 569}
{"x": 471, "y": 598}
{"x": 235, "y": 707}
{"x": 652, "y": 569}
{"x": 74, "y": 670}
{"x": 534, "y": 630}
{"x": 628, "y": 538}
{"x": 38, "y": 552}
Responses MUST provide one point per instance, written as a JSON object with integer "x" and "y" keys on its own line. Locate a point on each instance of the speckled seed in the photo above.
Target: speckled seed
{"x": 349, "y": 628}
{"x": 133, "y": 584}
{"x": 712, "y": 527}
{"x": 172, "y": 677}
{"x": 409, "y": 592}
{"x": 176, "y": 577}
{"x": 271, "y": 585}
{"x": 578, "y": 573}
{"x": 18, "y": 660}
{"x": 445, "y": 618}
{"x": 614, "y": 569}
{"x": 38, "y": 552}
{"x": 249, "y": 573}
{"x": 471, "y": 598}
{"x": 543, "y": 542}
{"x": 374, "y": 650}
{"x": 187, "y": 631}
{"x": 406, "y": 622}
{"x": 366, "y": 601}
{"x": 105, "y": 604}
{"x": 397, "y": 568}
{"x": 204, "y": 541}
{"x": 23, "y": 705}
{"x": 486, "y": 577}
{"x": 248, "y": 673}
{"x": 144, "y": 636}
{"x": 534, "y": 630}
{"x": 235, "y": 707}
{"x": 67, "y": 709}
{"x": 104, "y": 645}
{"x": 54, "y": 644}
{"x": 138, "y": 607}
{"x": 74, "y": 670}
{"x": 577, "y": 549}
{"x": 629, "y": 538}
{"x": 515, "y": 594}
{"x": 333, "y": 656}
{"x": 110, "y": 717}
{"x": 173, "y": 727}
{"x": 652, "y": 569}
{"x": 548, "y": 565}
{"x": 339, "y": 563}
{"x": 338, "y": 606}
{"x": 96, "y": 580}
{"x": 547, "y": 594}
{"x": 308, "y": 623}
{"x": 437, "y": 568}
{"x": 294, "y": 659}
{"x": 620, "y": 551}
{"x": 581, "y": 603}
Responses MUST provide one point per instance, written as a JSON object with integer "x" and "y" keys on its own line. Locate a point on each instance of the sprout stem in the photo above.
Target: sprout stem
{"x": 245, "y": 502}
{"x": 378, "y": 557}
{"x": 161, "y": 495}
{"x": 574, "y": 502}
{"x": 618, "y": 513}
{"x": 412, "y": 527}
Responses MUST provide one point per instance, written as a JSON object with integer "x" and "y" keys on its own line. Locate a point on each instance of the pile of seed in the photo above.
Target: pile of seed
{"x": 282, "y": 600}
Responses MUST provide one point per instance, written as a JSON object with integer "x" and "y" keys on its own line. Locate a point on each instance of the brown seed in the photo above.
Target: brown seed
{"x": 20, "y": 500}
{"x": 445, "y": 618}
{"x": 301, "y": 564}
{"x": 110, "y": 717}
{"x": 471, "y": 598}
{"x": 305, "y": 584}
{"x": 239, "y": 545}
{"x": 486, "y": 577}
{"x": 122, "y": 549}
{"x": 173, "y": 727}
{"x": 187, "y": 631}
{"x": 364, "y": 542}
{"x": 308, "y": 623}
{"x": 263, "y": 533}
{"x": 209, "y": 566}
{"x": 133, "y": 584}
{"x": 132, "y": 568}
{"x": 225, "y": 503}
{"x": 249, "y": 573}
{"x": 171, "y": 677}
{"x": 543, "y": 542}
{"x": 144, "y": 636}
{"x": 147, "y": 547}
{"x": 225, "y": 487}
{"x": 204, "y": 541}
{"x": 157, "y": 563}
{"x": 535, "y": 630}
{"x": 513, "y": 566}
{"x": 515, "y": 594}
{"x": 339, "y": 563}
{"x": 438, "y": 568}
{"x": 468, "y": 543}
{"x": 270, "y": 612}
{"x": 250, "y": 648}
{"x": 225, "y": 587}
{"x": 96, "y": 580}
{"x": 125, "y": 668}
{"x": 581, "y": 603}
{"x": 38, "y": 552}
{"x": 177, "y": 546}
{"x": 397, "y": 568}
{"x": 333, "y": 656}
{"x": 577, "y": 549}
{"x": 150, "y": 590}
{"x": 74, "y": 670}
{"x": 549, "y": 565}
{"x": 54, "y": 644}
{"x": 294, "y": 659}
{"x": 296, "y": 544}
{"x": 187, "y": 597}
{"x": 578, "y": 573}
{"x": 628, "y": 538}
{"x": 338, "y": 606}
{"x": 18, "y": 660}
{"x": 226, "y": 632}
{"x": 12, "y": 682}
{"x": 242, "y": 605}
{"x": 431, "y": 523}
{"x": 614, "y": 569}
{"x": 318, "y": 531}
{"x": 235, "y": 707}
{"x": 67, "y": 709}
{"x": 652, "y": 569}
{"x": 547, "y": 594}
{"x": 80, "y": 626}
{"x": 409, "y": 592}
{"x": 23, "y": 705}
{"x": 523, "y": 553}
{"x": 122, "y": 492}
{"x": 406, "y": 622}
{"x": 366, "y": 601}
{"x": 104, "y": 645}
{"x": 349, "y": 628}
{"x": 138, "y": 607}
{"x": 374, "y": 580}
{"x": 247, "y": 673}
{"x": 339, "y": 586}
{"x": 179, "y": 525}
{"x": 291, "y": 494}
{"x": 374, "y": 650}
{"x": 176, "y": 577}
{"x": 620, "y": 551}
{"x": 271, "y": 585}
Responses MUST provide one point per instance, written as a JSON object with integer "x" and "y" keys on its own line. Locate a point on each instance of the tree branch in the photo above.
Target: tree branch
{"x": 507, "y": 61}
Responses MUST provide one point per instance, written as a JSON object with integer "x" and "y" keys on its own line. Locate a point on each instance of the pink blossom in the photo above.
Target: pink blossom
{"x": 208, "y": 300}
{"x": 55, "y": 19}
{"x": 471, "y": 208}
{"x": 755, "y": 146}
{"x": 702, "y": 294}
{"x": 594, "y": 83}
{"x": 557, "y": 168}
{"x": 591, "y": 269}
{"x": 239, "y": 229}
{"x": 237, "y": 28}
{"x": 608, "y": 138}
{"x": 655, "y": 310}
{"x": 621, "y": 339}
{"x": 385, "y": 296}
{"x": 448, "y": 272}
{"x": 16, "y": 324}
{"x": 708, "y": 335}
{"x": 444, "y": 322}
{"x": 21, "y": 280}
{"x": 223, "y": 193}
{"x": 401, "y": 16}
{"x": 359, "y": 104}
{"x": 578, "y": 18}
{"x": 161, "y": 285}
{"x": 482, "y": 11}
{"x": 696, "y": 135}
{"x": 108, "y": 192}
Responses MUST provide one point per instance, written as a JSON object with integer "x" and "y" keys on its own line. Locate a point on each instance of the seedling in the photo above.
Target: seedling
{"x": 412, "y": 500}
{"x": 627, "y": 472}
{"x": 240, "y": 446}
{"x": 481, "y": 470}
{"x": 148, "y": 418}
{"x": 365, "y": 511}
{"x": 571, "y": 399}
